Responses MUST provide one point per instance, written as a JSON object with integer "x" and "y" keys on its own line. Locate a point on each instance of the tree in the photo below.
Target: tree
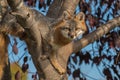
{"x": 20, "y": 19}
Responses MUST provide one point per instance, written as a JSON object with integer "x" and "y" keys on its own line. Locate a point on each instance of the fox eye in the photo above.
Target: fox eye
{"x": 61, "y": 28}
{"x": 28, "y": 15}
{"x": 64, "y": 28}
{"x": 77, "y": 28}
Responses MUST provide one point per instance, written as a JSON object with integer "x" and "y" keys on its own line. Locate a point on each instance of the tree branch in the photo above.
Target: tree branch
{"x": 4, "y": 66}
{"x": 55, "y": 8}
{"x": 3, "y": 8}
{"x": 15, "y": 4}
{"x": 70, "y": 6}
{"x": 59, "y": 6}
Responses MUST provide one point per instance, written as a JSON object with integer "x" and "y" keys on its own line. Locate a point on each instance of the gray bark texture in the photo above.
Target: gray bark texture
{"x": 37, "y": 28}
{"x": 4, "y": 62}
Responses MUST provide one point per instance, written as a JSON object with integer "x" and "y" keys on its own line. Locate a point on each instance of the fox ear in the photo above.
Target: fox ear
{"x": 80, "y": 16}
{"x": 66, "y": 15}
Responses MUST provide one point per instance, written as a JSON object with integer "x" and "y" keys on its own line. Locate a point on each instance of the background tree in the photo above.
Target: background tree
{"x": 97, "y": 13}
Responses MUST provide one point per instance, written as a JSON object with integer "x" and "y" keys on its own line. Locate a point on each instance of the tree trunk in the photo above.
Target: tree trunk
{"x": 59, "y": 6}
{"x": 5, "y": 73}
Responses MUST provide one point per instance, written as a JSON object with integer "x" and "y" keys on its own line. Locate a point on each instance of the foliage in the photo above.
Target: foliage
{"x": 17, "y": 73}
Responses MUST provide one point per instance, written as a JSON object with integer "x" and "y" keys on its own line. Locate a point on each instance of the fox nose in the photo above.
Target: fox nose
{"x": 71, "y": 35}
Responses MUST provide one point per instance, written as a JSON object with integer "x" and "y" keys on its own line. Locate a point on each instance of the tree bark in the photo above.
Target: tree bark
{"x": 3, "y": 8}
{"x": 55, "y": 8}
{"x": 59, "y": 6}
{"x": 7, "y": 72}
{"x": 4, "y": 65}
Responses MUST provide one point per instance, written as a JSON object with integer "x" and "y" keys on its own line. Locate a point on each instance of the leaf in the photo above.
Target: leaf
{"x": 17, "y": 75}
{"x": 41, "y": 4}
{"x": 102, "y": 40}
{"x": 114, "y": 69}
{"x": 117, "y": 42}
{"x": 76, "y": 73}
{"x": 107, "y": 73}
{"x": 30, "y": 2}
{"x": 81, "y": 57}
{"x": 15, "y": 41}
{"x": 97, "y": 60}
{"x": 68, "y": 71}
{"x": 115, "y": 78}
{"x": 15, "y": 49}
{"x": 109, "y": 58}
{"x": 25, "y": 67}
{"x": 111, "y": 44}
{"x": 48, "y": 2}
{"x": 25, "y": 59}
{"x": 34, "y": 76}
{"x": 99, "y": 12}
{"x": 87, "y": 57}
{"x": 117, "y": 60}
{"x": 83, "y": 6}
{"x": 74, "y": 59}
{"x": 92, "y": 21}
{"x": 25, "y": 49}
{"x": 41, "y": 1}
{"x": 114, "y": 35}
